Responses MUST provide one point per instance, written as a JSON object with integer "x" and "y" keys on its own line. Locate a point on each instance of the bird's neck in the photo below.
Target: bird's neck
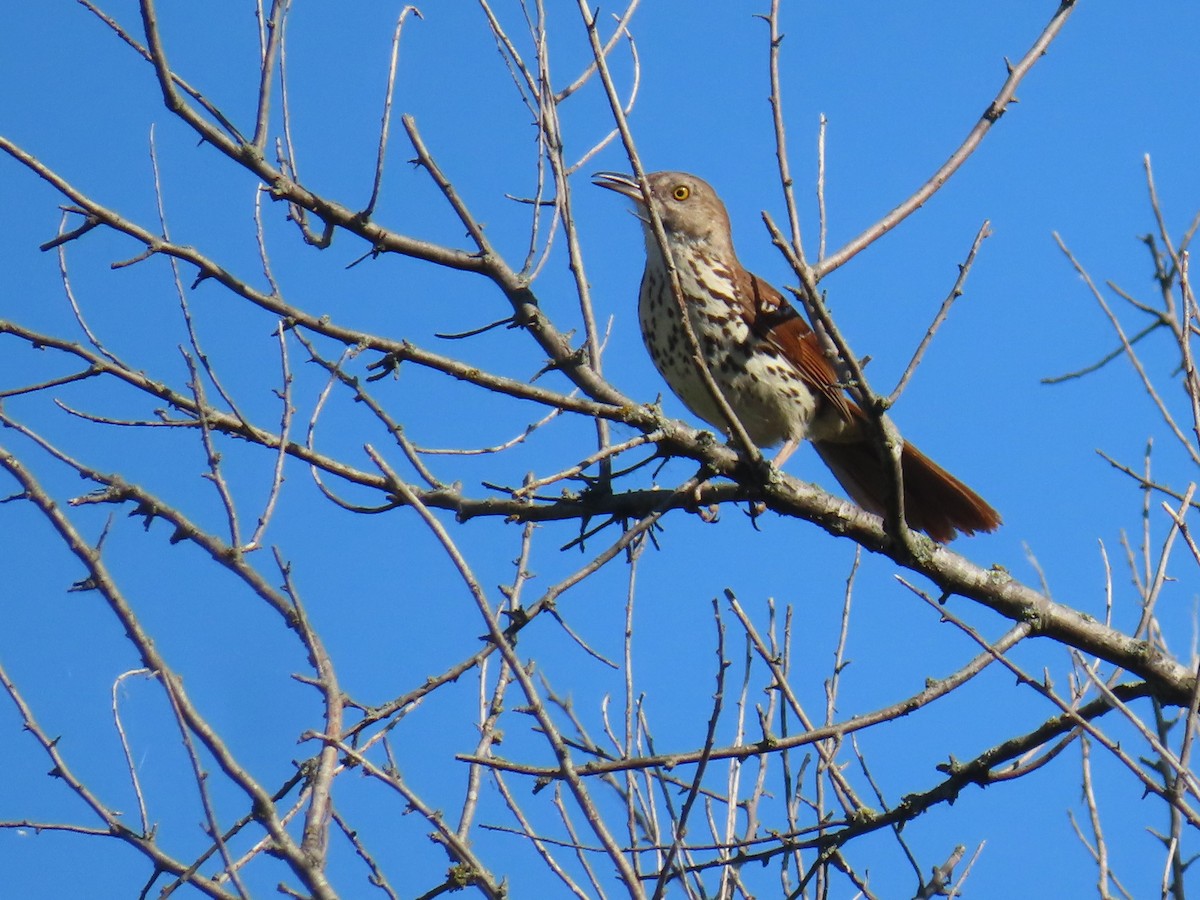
{"x": 684, "y": 247}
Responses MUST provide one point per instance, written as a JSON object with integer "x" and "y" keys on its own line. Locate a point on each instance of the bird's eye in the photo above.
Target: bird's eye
{"x": 681, "y": 192}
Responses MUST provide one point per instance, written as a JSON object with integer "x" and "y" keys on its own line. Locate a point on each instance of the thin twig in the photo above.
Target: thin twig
{"x": 964, "y": 269}
{"x": 386, "y": 121}
{"x": 995, "y": 109}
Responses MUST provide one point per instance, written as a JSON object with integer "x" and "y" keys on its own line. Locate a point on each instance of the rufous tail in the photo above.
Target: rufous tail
{"x": 934, "y": 500}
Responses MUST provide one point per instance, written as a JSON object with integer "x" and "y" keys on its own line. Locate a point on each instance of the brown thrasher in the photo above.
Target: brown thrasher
{"x": 767, "y": 362}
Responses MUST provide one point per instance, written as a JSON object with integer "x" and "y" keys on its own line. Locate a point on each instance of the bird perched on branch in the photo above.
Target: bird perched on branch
{"x": 767, "y": 362}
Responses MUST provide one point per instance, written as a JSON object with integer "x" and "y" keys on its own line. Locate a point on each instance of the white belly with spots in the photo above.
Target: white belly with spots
{"x": 764, "y": 390}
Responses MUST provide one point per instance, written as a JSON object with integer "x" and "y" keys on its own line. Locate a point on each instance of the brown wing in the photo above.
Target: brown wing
{"x": 934, "y": 500}
{"x": 770, "y": 316}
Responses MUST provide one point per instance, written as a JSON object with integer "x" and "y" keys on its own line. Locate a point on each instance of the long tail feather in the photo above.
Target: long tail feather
{"x": 934, "y": 500}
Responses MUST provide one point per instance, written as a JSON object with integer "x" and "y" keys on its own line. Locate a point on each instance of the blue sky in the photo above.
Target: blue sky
{"x": 900, "y": 84}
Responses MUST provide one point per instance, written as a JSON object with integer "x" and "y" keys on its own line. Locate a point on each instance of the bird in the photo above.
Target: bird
{"x": 767, "y": 361}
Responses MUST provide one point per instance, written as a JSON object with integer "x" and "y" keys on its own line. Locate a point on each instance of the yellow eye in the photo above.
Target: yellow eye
{"x": 681, "y": 192}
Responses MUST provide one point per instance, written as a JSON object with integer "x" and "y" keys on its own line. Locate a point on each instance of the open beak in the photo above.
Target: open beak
{"x": 626, "y": 185}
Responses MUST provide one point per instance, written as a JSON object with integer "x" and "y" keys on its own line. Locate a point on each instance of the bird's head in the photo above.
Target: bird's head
{"x": 689, "y": 208}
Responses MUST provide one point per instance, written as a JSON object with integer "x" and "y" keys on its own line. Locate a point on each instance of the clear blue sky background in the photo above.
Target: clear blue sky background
{"x": 901, "y": 84}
